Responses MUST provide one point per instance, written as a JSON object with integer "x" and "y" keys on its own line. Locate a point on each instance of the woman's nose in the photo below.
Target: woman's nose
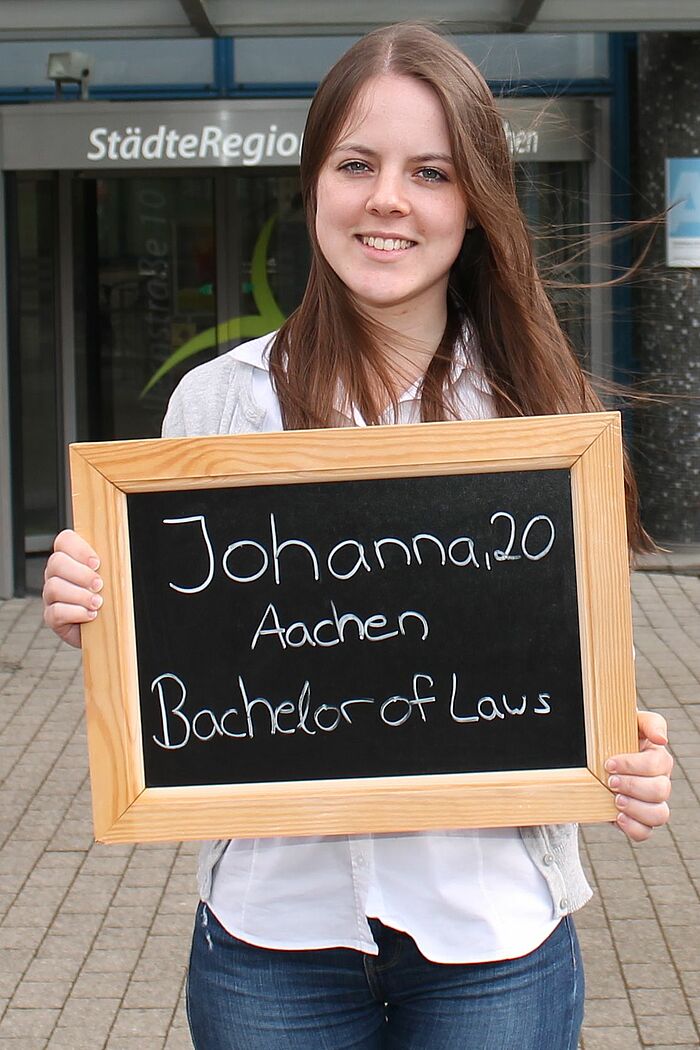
{"x": 387, "y": 196}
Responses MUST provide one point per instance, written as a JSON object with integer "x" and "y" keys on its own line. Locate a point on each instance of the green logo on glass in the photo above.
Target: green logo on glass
{"x": 268, "y": 318}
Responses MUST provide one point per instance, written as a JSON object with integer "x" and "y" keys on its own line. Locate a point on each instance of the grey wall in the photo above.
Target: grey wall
{"x": 668, "y": 304}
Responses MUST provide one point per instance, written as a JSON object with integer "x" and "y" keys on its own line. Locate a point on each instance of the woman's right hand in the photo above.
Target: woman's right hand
{"x": 71, "y": 586}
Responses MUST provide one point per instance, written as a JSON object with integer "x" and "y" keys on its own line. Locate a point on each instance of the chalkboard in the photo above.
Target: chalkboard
{"x": 357, "y": 630}
{"x": 363, "y": 628}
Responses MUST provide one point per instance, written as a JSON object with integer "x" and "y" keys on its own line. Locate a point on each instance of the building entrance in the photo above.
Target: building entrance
{"x": 166, "y": 271}
{"x": 122, "y": 276}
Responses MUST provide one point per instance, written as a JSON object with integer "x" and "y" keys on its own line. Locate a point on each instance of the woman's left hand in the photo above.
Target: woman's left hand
{"x": 642, "y": 782}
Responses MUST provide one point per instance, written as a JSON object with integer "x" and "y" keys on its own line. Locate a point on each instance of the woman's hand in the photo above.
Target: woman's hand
{"x": 71, "y": 586}
{"x": 642, "y": 782}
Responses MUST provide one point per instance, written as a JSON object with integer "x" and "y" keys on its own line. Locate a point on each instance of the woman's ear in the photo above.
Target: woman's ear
{"x": 471, "y": 223}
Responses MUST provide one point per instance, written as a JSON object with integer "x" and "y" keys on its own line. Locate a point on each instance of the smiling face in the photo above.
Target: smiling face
{"x": 390, "y": 216}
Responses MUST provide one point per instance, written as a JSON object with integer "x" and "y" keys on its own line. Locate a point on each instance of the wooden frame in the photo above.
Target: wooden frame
{"x": 588, "y": 445}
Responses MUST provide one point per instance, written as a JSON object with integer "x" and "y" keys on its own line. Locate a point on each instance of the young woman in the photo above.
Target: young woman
{"x": 423, "y": 303}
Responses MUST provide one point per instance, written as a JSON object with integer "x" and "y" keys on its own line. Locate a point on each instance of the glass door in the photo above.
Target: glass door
{"x": 145, "y": 286}
{"x": 270, "y": 246}
{"x": 169, "y": 272}
{"x": 554, "y": 197}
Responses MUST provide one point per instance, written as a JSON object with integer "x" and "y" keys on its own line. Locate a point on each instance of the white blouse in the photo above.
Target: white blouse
{"x": 464, "y": 896}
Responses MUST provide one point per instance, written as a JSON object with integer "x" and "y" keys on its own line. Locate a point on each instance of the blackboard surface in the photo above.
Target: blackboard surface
{"x": 416, "y": 625}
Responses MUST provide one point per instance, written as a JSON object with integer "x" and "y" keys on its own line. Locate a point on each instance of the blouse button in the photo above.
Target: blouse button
{"x": 548, "y": 859}
{"x": 563, "y": 904}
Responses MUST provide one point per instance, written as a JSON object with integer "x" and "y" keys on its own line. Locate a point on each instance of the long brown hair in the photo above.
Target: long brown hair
{"x": 495, "y": 292}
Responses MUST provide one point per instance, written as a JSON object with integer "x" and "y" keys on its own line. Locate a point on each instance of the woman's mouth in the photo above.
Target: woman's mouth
{"x": 386, "y": 244}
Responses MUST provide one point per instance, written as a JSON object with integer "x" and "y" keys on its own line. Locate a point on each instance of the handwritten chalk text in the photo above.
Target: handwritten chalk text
{"x": 247, "y": 560}
{"x": 339, "y": 628}
{"x": 253, "y": 716}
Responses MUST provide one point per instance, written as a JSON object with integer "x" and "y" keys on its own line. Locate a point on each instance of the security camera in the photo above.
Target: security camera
{"x": 70, "y": 67}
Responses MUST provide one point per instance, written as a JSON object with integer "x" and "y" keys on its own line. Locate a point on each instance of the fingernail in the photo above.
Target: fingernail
{"x": 96, "y": 602}
{"x": 621, "y": 801}
{"x": 621, "y": 818}
{"x": 94, "y": 563}
{"x": 613, "y": 782}
{"x": 611, "y": 765}
{"x": 92, "y": 614}
{"x": 97, "y": 584}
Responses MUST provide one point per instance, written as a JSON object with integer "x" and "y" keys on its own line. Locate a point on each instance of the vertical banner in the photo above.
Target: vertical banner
{"x": 683, "y": 211}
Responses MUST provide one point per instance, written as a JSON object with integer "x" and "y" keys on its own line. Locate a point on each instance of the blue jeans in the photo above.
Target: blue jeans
{"x": 240, "y": 997}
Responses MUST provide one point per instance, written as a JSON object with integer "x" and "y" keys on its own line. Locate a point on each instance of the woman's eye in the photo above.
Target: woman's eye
{"x": 354, "y": 166}
{"x": 431, "y": 175}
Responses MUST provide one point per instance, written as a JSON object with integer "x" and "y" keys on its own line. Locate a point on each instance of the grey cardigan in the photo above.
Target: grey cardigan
{"x": 216, "y": 398}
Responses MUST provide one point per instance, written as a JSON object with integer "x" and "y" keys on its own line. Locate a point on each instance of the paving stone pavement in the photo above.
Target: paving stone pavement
{"x": 94, "y": 938}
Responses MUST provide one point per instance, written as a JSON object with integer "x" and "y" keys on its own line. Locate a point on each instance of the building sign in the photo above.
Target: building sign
{"x": 187, "y": 134}
{"x": 86, "y": 136}
{"x": 211, "y": 142}
{"x": 523, "y": 142}
{"x": 683, "y": 211}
